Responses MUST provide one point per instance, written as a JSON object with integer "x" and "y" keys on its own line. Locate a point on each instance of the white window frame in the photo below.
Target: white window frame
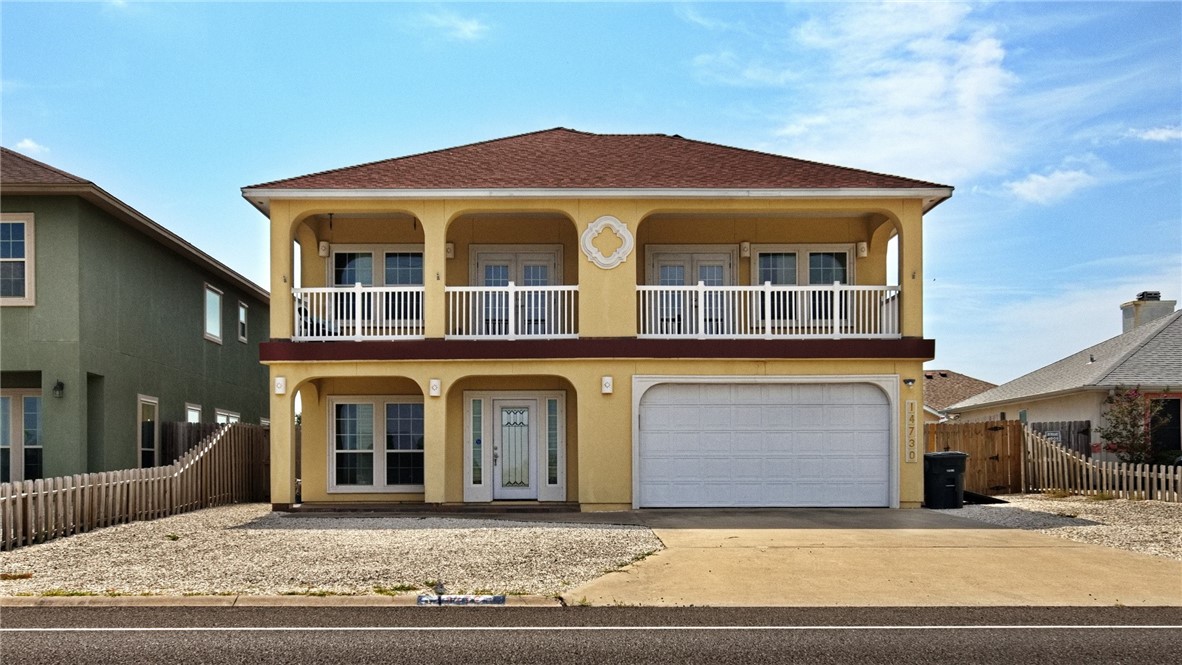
{"x": 379, "y": 403}
{"x": 225, "y": 417}
{"x": 549, "y": 253}
{"x": 378, "y": 278}
{"x": 264, "y": 422}
{"x": 16, "y": 430}
{"x": 243, "y": 315}
{"x": 483, "y": 491}
{"x": 654, "y": 253}
{"x": 190, "y": 409}
{"x": 140, "y": 401}
{"x": 802, "y": 251}
{"x": 211, "y": 290}
{"x": 29, "y": 260}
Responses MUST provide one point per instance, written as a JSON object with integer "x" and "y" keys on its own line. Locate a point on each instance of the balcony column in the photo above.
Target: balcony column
{"x": 607, "y": 296}
{"x": 433, "y": 217}
{"x": 282, "y": 263}
{"x": 283, "y": 454}
{"x": 911, "y": 269}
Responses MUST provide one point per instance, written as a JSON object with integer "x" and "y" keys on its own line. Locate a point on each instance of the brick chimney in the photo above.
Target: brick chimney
{"x": 1147, "y": 307}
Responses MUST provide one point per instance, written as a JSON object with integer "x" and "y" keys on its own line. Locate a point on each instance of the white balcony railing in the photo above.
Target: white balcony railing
{"x": 511, "y": 312}
{"x": 357, "y": 313}
{"x": 768, "y": 312}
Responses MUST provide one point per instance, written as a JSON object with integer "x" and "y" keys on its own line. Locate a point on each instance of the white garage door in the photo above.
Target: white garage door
{"x": 746, "y": 445}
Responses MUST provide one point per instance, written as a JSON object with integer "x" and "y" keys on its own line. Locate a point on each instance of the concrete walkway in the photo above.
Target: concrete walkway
{"x": 858, "y": 557}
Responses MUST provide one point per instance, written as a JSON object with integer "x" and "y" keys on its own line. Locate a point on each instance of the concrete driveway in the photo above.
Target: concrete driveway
{"x": 872, "y": 557}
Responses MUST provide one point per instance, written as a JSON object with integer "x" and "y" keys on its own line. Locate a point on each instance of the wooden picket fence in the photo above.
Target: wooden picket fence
{"x": 1050, "y": 466}
{"x": 231, "y": 466}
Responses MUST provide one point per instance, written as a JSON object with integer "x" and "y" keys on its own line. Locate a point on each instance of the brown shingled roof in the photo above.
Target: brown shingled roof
{"x": 567, "y": 159}
{"x": 18, "y": 169}
{"x": 943, "y": 388}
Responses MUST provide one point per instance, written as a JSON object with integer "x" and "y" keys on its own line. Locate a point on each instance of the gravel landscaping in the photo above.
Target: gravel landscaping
{"x": 1148, "y": 527}
{"x": 247, "y": 549}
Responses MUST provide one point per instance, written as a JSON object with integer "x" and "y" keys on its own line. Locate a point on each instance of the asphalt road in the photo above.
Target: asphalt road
{"x": 589, "y": 635}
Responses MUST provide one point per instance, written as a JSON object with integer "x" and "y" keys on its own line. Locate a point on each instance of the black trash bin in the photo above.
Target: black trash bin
{"x": 943, "y": 480}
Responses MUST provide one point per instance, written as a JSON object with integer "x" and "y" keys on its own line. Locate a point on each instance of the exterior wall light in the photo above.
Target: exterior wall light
{"x": 59, "y": 389}
{"x": 909, "y": 382}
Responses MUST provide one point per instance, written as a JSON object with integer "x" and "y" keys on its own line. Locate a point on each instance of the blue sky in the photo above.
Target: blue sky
{"x": 1059, "y": 124}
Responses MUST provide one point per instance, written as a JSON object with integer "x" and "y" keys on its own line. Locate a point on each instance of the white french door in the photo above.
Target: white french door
{"x": 678, "y": 310}
{"x": 515, "y": 449}
{"x": 524, "y": 269}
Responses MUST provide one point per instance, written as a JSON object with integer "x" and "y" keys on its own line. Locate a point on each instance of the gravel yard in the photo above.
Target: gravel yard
{"x": 1149, "y": 527}
{"x": 247, "y": 549}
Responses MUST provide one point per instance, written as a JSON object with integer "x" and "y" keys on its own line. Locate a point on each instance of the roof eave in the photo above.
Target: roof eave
{"x": 261, "y": 198}
{"x": 137, "y": 220}
{"x": 958, "y": 408}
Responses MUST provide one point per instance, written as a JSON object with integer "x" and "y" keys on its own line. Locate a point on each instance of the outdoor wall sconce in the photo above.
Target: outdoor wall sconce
{"x": 863, "y": 250}
{"x": 435, "y": 388}
{"x": 909, "y": 382}
{"x": 449, "y": 250}
{"x": 59, "y": 389}
{"x": 745, "y": 249}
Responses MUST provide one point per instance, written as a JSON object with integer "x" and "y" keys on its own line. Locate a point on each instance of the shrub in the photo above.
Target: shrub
{"x": 1129, "y": 422}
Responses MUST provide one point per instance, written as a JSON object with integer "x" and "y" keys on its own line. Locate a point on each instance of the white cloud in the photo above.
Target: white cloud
{"x": 692, "y": 15}
{"x": 1161, "y": 134}
{"x": 30, "y": 147}
{"x": 456, "y": 26}
{"x": 1052, "y": 187}
{"x": 895, "y": 87}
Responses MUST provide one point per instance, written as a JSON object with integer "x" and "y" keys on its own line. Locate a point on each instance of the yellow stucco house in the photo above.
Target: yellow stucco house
{"x": 599, "y": 322}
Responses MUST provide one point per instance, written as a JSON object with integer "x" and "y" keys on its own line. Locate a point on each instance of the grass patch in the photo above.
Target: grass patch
{"x": 15, "y": 576}
{"x": 395, "y": 590}
{"x": 61, "y": 593}
{"x": 1101, "y": 496}
{"x": 319, "y": 593}
{"x": 172, "y": 537}
{"x": 1057, "y": 494}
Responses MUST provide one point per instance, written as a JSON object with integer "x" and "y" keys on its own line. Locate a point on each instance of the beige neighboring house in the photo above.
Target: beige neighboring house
{"x": 942, "y": 388}
{"x": 1148, "y": 355}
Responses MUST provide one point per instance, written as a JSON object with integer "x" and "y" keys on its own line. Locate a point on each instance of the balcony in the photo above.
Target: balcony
{"x": 768, "y": 312}
{"x": 357, "y": 313}
{"x": 512, "y": 312}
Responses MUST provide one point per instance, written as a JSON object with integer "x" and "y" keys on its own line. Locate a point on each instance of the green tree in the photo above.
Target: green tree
{"x": 1129, "y": 422}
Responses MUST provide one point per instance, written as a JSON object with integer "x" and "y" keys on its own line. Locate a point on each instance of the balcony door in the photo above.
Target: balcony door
{"x": 378, "y": 265}
{"x": 818, "y": 265}
{"x": 497, "y": 267}
{"x": 678, "y": 309}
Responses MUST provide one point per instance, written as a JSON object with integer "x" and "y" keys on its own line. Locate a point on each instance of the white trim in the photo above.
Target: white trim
{"x": 931, "y": 196}
{"x": 802, "y": 267}
{"x": 209, "y": 288}
{"x": 140, "y": 401}
{"x": 222, "y": 417}
{"x": 379, "y": 485}
{"x": 242, "y": 324}
{"x": 378, "y": 267}
{"x": 887, "y": 383}
{"x": 483, "y": 493}
{"x": 16, "y": 430}
{"x": 29, "y": 260}
{"x": 189, "y": 408}
{"x": 653, "y": 253}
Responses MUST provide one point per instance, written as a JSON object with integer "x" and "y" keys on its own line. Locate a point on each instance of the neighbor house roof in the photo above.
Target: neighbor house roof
{"x": 942, "y": 388}
{"x": 1150, "y": 355}
{"x": 21, "y": 175}
{"x": 564, "y": 159}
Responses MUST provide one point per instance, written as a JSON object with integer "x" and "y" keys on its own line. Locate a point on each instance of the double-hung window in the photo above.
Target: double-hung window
{"x": 379, "y": 266}
{"x": 213, "y": 314}
{"x": 242, "y": 312}
{"x": 812, "y": 265}
{"x": 376, "y": 444}
{"x": 16, "y": 259}
{"x": 20, "y": 435}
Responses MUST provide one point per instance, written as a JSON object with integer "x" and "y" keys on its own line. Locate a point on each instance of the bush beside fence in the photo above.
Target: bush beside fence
{"x": 230, "y": 466}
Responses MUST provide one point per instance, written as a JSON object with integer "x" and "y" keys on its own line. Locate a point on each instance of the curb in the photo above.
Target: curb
{"x": 405, "y": 600}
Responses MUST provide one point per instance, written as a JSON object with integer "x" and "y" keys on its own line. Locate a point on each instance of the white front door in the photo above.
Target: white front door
{"x": 515, "y": 449}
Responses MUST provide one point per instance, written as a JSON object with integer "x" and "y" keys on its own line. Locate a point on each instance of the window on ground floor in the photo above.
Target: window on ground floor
{"x": 376, "y": 444}
{"x": 192, "y": 413}
{"x": 20, "y": 435}
{"x": 222, "y": 416}
{"x": 148, "y": 434}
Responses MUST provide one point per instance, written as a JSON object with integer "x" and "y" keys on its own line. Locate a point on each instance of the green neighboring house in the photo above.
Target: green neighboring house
{"x": 109, "y": 325}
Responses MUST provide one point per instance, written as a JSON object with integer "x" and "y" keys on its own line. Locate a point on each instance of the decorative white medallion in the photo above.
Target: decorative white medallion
{"x": 620, "y": 229}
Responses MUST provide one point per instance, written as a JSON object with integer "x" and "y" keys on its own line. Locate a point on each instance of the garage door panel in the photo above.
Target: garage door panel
{"x": 764, "y": 445}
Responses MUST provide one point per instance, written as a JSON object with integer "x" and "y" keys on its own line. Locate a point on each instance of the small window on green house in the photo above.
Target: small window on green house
{"x": 213, "y": 314}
